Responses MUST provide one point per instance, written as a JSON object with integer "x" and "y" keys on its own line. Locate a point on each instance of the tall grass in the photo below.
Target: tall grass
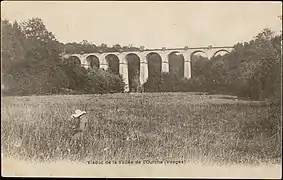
{"x": 158, "y": 126}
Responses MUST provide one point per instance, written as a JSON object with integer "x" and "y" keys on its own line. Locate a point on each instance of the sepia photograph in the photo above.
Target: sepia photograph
{"x": 182, "y": 89}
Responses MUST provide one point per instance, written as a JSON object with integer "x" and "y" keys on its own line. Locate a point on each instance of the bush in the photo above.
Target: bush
{"x": 67, "y": 78}
{"x": 101, "y": 81}
{"x": 170, "y": 82}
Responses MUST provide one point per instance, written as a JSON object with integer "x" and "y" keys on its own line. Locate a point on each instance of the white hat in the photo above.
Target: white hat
{"x": 78, "y": 113}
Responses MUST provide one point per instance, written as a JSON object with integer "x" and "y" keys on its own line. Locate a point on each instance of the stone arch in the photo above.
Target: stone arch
{"x": 153, "y": 56}
{"x": 176, "y": 62}
{"x": 133, "y": 63}
{"x": 113, "y": 63}
{"x": 198, "y": 51}
{"x": 154, "y": 65}
{"x": 195, "y": 63}
{"x": 92, "y": 61}
{"x": 74, "y": 60}
{"x": 221, "y": 50}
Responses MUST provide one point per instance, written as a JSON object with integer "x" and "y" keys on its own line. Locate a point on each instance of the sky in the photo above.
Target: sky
{"x": 152, "y": 24}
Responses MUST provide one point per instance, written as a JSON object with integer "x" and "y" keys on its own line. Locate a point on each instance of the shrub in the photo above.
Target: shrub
{"x": 101, "y": 81}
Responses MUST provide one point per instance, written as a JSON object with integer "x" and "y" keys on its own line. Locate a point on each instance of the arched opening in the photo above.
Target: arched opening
{"x": 198, "y": 54}
{"x": 154, "y": 62}
{"x": 92, "y": 61}
{"x": 176, "y": 63}
{"x": 113, "y": 63}
{"x": 220, "y": 52}
{"x": 74, "y": 60}
{"x": 199, "y": 61}
{"x": 133, "y": 71}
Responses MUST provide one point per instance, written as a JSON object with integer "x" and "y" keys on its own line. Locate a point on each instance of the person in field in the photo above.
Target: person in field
{"x": 79, "y": 125}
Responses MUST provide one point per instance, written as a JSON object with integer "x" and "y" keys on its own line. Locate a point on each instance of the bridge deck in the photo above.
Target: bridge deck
{"x": 170, "y": 49}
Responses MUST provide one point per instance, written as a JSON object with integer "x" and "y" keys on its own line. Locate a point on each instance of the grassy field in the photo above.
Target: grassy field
{"x": 158, "y": 126}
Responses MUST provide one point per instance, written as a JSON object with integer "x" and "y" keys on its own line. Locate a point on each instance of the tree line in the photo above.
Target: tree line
{"x": 252, "y": 70}
{"x": 31, "y": 64}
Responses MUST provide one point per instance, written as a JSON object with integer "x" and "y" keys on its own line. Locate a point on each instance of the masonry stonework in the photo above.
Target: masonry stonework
{"x": 187, "y": 53}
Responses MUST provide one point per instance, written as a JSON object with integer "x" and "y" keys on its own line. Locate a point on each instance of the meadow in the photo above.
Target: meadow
{"x": 143, "y": 126}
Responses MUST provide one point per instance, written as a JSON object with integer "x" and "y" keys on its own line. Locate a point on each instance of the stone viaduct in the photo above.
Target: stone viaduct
{"x": 143, "y": 55}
